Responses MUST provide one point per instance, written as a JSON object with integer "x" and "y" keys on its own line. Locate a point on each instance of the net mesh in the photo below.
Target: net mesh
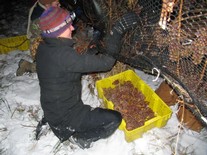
{"x": 172, "y": 38}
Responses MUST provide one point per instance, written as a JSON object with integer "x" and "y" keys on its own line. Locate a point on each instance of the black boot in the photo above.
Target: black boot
{"x": 42, "y": 128}
{"x": 81, "y": 142}
{"x": 84, "y": 141}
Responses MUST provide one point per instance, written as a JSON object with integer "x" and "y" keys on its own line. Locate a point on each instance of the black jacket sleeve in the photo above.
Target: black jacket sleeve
{"x": 85, "y": 63}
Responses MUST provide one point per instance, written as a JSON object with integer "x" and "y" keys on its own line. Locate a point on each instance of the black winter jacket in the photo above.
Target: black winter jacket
{"x": 59, "y": 69}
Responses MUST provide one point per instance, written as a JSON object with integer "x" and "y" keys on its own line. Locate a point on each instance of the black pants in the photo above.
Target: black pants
{"x": 93, "y": 125}
{"x": 99, "y": 123}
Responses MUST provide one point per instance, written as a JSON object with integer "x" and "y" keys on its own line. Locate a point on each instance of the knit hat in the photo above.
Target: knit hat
{"x": 55, "y": 21}
{"x": 43, "y": 2}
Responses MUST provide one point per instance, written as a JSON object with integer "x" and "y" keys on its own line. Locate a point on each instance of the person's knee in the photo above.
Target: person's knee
{"x": 116, "y": 117}
{"x": 112, "y": 116}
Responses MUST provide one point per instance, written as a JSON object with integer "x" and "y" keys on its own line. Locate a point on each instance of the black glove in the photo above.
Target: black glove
{"x": 114, "y": 39}
{"x": 125, "y": 23}
{"x": 95, "y": 44}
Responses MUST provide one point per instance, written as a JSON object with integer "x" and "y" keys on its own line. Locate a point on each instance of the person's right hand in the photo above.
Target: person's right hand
{"x": 113, "y": 40}
{"x": 125, "y": 23}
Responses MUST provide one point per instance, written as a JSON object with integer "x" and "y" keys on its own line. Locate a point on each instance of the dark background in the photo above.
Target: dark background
{"x": 13, "y": 17}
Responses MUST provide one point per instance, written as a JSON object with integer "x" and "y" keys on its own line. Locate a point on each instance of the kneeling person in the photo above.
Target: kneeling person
{"x": 59, "y": 70}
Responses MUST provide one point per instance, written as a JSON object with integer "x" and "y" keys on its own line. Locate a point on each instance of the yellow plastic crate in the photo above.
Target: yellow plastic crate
{"x": 161, "y": 110}
{"x": 14, "y": 43}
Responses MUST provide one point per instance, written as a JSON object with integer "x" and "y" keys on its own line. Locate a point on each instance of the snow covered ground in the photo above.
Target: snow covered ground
{"x": 20, "y": 110}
